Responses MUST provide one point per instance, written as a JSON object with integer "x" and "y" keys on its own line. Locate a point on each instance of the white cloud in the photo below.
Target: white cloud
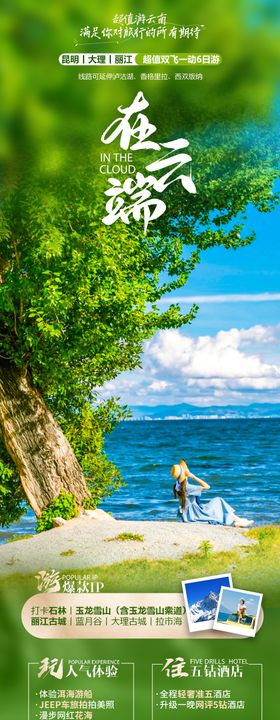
{"x": 232, "y": 366}
{"x": 158, "y": 385}
{"x": 212, "y": 358}
{"x": 227, "y": 297}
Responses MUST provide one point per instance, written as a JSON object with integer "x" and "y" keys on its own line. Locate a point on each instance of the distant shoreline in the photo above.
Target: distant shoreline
{"x": 186, "y": 411}
{"x": 175, "y": 418}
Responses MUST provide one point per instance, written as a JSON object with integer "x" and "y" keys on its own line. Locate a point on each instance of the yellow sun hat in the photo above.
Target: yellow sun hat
{"x": 179, "y": 470}
{"x": 176, "y": 471}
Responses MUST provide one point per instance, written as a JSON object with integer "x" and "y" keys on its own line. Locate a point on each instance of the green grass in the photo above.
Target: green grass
{"x": 205, "y": 549}
{"x": 65, "y": 553}
{"x": 253, "y": 568}
{"x": 126, "y": 536}
{"x": 15, "y": 538}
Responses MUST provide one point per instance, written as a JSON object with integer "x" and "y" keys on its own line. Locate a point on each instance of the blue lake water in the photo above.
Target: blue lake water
{"x": 222, "y": 617}
{"x": 238, "y": 458}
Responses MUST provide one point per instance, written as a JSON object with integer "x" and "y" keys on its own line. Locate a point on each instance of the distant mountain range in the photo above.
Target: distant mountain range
{"x": 183, "y": 411}
{"x": 204, "y": 609}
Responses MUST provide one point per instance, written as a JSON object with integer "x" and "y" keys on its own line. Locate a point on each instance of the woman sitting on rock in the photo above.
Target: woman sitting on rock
{"x": 215, "y": 512}
{"x": 241, "y": 610}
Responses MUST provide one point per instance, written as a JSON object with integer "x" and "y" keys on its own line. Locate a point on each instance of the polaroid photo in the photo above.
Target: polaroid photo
{"x": 238, "y": 611}
{"x": 201, "y": 599}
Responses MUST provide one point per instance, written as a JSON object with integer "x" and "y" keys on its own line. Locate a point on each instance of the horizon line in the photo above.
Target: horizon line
{"x": 184, "y": 402}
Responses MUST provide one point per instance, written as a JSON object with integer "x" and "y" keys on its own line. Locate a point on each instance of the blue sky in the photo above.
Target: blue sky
{"x": 231, "y": 599}
{"x": 198, "y": 590}
{"x": 230, "y": 354}
{"x": 253, "y": 270}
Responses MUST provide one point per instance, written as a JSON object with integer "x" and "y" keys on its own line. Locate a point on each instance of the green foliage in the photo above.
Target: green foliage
{"x": 47, "y": 110}
{"x": 266, "y": 536}
{"x": 63, "y": 506}
{"x": 205, "y": 549}
{"x": 85, "y": 431}
{"x": 127, "y": 536}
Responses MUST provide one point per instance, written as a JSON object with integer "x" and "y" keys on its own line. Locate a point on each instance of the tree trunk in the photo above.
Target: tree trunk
{"x": 43, "y": 457}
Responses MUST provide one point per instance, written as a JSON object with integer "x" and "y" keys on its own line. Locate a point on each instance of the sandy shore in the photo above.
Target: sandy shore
{"x": 87, "y": 542}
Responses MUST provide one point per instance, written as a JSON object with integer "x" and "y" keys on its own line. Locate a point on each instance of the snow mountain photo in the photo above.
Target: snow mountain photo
{"x": 204, "y": 609}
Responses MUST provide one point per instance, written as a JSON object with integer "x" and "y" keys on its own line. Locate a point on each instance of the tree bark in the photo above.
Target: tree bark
{"x": 43, "y": 457}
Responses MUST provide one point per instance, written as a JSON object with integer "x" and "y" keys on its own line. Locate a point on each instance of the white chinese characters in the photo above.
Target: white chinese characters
{"x": 134, "y": 197}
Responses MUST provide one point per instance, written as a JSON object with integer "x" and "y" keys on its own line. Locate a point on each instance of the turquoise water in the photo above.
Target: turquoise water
{"x": 238, "y": 458}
